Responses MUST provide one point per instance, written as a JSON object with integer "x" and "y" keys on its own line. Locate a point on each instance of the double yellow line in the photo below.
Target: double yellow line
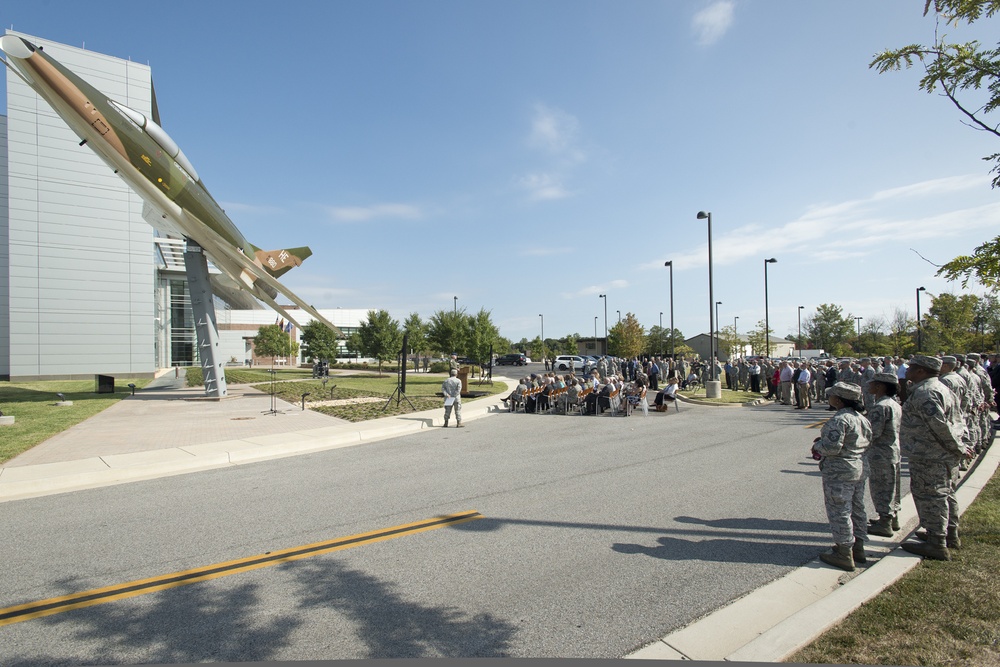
{"x": 96, "y": 596}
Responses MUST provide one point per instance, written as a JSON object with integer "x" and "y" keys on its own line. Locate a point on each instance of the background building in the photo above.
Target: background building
{"x": 86, "y": 285}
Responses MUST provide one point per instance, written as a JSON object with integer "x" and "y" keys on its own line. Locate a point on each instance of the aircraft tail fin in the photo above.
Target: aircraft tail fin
{"x": 279, "y": 262}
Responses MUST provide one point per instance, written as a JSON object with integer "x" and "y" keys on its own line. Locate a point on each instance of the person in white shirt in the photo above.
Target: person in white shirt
{"x": 804, "y": 378}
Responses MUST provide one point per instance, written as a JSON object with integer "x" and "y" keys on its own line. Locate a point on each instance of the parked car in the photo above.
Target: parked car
{"x": 516, "y": 359}
{"x": 465, "y": 361}
{"x": 566, "y": 361}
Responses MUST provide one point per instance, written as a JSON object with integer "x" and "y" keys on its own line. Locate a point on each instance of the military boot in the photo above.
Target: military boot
{"x": 858, "y": 551}
{"x": 952, "y": 540}
{"x": 934, "y": 548}
{"x": 841, "y": 557}
{"x": 895, "y": 522}
{"x": 882, "y": 527}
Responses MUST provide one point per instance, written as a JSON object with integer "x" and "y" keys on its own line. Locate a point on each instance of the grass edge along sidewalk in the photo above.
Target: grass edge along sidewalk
{"x": 940, "y": 613}
{"x": 36, "y": 416}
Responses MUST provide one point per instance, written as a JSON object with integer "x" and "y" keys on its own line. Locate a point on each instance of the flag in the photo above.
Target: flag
{"x": 276, "y": 320}
{"x": 288, "y": 328}
{"x": 282, "y": 324}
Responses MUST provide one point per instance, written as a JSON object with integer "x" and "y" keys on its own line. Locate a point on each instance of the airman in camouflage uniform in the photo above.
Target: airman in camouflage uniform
{"x": 883, "y": 455}
{"x": 452, "y": 388}
{"x": 867, "y": 373}
{"x": 847, "y": 375}
{"x": 930, "y": 436}
{"x": 985, "y": 423}
{"x": 959, "y": 386}
{"x": 841, "y": 446}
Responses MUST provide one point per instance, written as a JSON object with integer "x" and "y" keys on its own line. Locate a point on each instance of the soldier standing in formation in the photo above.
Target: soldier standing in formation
{"x": 931, "y": 438}
{"x": 882, "y": 457}
{"x": 452, "y": 390}
{"x": 840, "y": 449}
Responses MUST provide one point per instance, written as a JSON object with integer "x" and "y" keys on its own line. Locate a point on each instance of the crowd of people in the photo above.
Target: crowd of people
{"x": 618, "y": 385}
{"x": 934, "y": 410}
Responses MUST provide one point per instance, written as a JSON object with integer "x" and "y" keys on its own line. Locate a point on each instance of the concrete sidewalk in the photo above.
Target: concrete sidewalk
{"x": 170, "y": 429}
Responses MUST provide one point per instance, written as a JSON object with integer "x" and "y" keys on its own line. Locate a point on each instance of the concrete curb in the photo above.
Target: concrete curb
{"x": 21, "y": 482}
{"x": 775, "y": 621}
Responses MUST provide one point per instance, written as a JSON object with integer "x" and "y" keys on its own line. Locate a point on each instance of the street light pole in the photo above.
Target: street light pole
{"x": 736, "y": 335}
{"x": 595, "y": 329}
{"x": 605, "y": 297}
{"x": 920, "y": 329}
{"x": 718, "y": 325}
{"x": 799, "y": 342}
{"x": 859, "y": 333}
{"x": 767, "y": 322}
{"x": 702, "y": 215}
{"x": 543, "y": 334}
{"x": 619, "y": 317}
{"x": 456, "y": 304}
{"x": 659, "y": 347}
{"x": 670, "y": 265}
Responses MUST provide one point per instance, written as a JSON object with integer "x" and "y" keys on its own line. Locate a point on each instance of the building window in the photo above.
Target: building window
{"x": 183, "y": 337}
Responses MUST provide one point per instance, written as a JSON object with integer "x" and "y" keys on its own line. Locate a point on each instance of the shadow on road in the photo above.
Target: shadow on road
{"x": 182, "y": 625}
{"x": 727, "y": 550}
{"x": 393, "y": 627}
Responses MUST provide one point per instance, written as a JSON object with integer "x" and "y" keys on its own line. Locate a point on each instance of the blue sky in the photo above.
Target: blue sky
{"x": 527, "y": 156}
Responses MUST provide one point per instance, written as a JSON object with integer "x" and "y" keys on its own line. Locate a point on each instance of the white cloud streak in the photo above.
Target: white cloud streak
{"x": 594, "y": 290}
{"x": 711, "y": 23}
{"x": 375, "y": 211}
{"x": 851, "y": 229}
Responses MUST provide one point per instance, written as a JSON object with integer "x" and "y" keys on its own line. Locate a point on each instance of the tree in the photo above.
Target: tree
{"x": 568, "y": 345}
{"x": 273, "y": 341}
{"x": 873, "y": 338}
{"x": 319, "y": 342}
{"x": 829, "y": 329}
{"x": 482, "y": 335}
{"x": 730, "y": 344}
{"x": 379, "y": 337}
{"x": 948, "y": 325}
{"x": 757, "y": 338}
{"x": 956, "y": 70}
{"x": 416, "y": 332}
{"x": 447, "y": 331}
{"x": 656, "y": 340}
{"x": 900, "y": 326}
{"x": 627, "y": 338}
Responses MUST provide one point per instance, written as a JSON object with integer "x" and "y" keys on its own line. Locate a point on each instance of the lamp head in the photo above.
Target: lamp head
{"x": 670, "y": 263}
{"x": 702, "y": 215}
{"x": 771, "y": 261}
{"x": 921, "y": 289}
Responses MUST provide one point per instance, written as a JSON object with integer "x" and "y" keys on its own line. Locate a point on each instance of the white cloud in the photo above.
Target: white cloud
{"x": 594, "y": 290}
{"x": 250, "y": 209}
{"x": 555, "y": 131}
{"x": 543, "y": 187}
{"x": 365, "y": 213}
{"x": 851, "y": 229}
{"x": 711, "y": 23}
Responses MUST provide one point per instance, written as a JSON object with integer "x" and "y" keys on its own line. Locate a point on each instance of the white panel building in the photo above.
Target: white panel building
{"x": 76, "y": 289}
{"x": 86, "y": 285}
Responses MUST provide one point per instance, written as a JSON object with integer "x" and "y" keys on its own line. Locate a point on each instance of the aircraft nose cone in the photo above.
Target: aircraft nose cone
{"x": 15, "y": 47}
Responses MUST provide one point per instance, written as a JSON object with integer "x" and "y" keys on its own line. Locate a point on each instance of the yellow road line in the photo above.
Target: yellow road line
{"x": 817, "y": 424}
{"x": 96, "y": 596}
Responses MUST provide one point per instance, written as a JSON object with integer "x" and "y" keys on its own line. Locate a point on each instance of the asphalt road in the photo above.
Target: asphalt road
{"x": 598, "y": 535}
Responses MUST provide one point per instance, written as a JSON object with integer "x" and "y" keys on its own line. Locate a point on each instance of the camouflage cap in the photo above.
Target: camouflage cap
{"x": 960, "y": 357}
{"x": 948, "y": 359}
{"x": 973, "y": 356}
{"x": 847, "y": 390}
{"x": 887, "y": 378}
{"x": 930, "y": 363}
{"x": 866, "y": 360}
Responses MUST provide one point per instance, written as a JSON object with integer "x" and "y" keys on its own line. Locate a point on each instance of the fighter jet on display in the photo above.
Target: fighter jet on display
{"x": 148, "y": 160}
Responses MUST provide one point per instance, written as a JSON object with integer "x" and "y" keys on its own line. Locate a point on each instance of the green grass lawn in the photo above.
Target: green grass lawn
{"x": 421, "y": 390}
{"x": 249, "y": 375}
{"x": 940, "y": 613}
{"x": 36, "y": 418}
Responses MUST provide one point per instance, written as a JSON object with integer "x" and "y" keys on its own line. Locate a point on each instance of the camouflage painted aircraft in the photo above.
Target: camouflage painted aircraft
{"x": 148, "y": 160}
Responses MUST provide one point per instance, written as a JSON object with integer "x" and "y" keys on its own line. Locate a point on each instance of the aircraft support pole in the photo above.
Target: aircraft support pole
{"x": 203, "y": 309}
